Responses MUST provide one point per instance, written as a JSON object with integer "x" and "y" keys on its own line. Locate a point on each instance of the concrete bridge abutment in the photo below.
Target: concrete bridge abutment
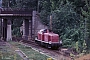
{"x": 29, "y": 23}
{"x": 9, "y": 30}
{"x": 6, "y": 29}
{"x": 25, "y": 29}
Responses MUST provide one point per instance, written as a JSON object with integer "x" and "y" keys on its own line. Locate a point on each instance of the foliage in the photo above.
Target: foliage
{"x": 78, "y": 4}
{"x": 44, "y": 11}
{"x": 84, "y": 47}
{"x": 30, "y": 53}
{"x": 27, "y": 4}
{"x": 20, "y": 4}
{"x": 8, "y": 53}
{"x": 66, "y": 23}
{"x": 16, "y": 27}
{"x": 8, "y": 3}
{"x": 44, "y": 15}
{"x": 86, "y": 16}
{"x": 67, "y": 18}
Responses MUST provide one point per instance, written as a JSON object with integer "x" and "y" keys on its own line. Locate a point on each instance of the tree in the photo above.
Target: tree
{"x": 45, "y": 11}
{"x": 66, "y": 22}
{"x": 86, "y": 16}
{"x": 27, "y": 4}
{"x": 46, "y": 7}
{"x": 20, "y": 4}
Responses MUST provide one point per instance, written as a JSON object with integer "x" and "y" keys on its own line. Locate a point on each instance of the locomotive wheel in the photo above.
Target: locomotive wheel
{"x": 36, "y": 41}
{"x": 39, "y": 43}
{"x": 42, "y": 44}
{"x": 55, "y": 47}
{"x": 48, "y": 46}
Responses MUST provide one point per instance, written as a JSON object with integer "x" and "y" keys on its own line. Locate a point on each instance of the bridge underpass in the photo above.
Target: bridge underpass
{"x": 7, "y": 16}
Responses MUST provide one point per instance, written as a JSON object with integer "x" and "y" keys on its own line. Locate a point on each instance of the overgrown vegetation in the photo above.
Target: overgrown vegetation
{"x": 6, "y": 53}
{"x": 67, "y": 24}
{"x": 70, "y": 19}
{"x": 30, "y": 53}
{"x": 16, "y": 27}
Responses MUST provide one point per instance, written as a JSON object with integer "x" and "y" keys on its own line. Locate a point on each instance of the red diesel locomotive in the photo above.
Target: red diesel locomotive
{"x": 48, "y": 39}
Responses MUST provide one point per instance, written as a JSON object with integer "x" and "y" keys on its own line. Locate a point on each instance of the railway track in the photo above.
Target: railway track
{"x": 59, "y": 54}
{"x": 55, "y": 54}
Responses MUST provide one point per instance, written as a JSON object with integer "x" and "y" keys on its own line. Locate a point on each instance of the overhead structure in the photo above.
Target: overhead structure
{"x": 7, "y": 15}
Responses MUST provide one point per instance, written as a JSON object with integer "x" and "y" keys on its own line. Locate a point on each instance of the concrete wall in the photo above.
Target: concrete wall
{"x": 38, "y": 25}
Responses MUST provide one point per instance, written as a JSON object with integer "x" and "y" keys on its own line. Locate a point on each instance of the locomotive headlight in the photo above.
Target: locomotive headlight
{"x": 50, "y": 42}
{"x": 60, "y": 41}
{"x": 35, "y": 38}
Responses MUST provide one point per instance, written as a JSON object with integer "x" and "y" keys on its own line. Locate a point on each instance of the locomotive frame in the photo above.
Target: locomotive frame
{"x": 48, "y": 39}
